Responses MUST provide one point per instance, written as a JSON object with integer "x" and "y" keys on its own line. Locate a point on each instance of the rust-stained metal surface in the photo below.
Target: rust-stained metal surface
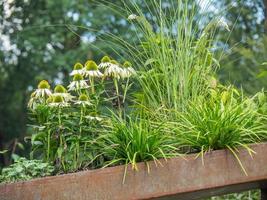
{"x": 178, "y": 178}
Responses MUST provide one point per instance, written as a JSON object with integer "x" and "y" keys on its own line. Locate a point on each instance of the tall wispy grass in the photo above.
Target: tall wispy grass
{"x": 172, "y": 50}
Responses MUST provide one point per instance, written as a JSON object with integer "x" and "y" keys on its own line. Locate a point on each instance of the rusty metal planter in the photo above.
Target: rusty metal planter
{"x": 177, "y": 179}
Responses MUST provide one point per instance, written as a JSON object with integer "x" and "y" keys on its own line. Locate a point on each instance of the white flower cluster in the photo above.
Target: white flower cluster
{"x": 89, "y": 70}
{"x": 78, "y": 83}
{"x": 83, "y": 77}
{"x": 107, "y": 68}
{"x": 59, "y": 98}
{"x": 113, "y": 69}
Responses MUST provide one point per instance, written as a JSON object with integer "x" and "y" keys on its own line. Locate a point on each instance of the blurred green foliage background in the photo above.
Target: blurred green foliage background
{"x": 42, "y": 39}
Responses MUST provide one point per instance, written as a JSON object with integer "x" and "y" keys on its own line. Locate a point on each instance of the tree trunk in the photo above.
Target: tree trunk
{"x": 2, "y": 160}
{"x": 265, "y": 13}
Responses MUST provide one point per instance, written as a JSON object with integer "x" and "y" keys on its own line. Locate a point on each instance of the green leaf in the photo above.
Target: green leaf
{"x": 262, "y": 74}
{"x": 15, "y": 157}
{"x": 150, "y": 61}
{"x": 21, "y": 146}
{"x": 3, "y": 152}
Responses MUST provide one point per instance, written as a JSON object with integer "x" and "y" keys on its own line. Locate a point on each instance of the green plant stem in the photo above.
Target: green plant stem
{"x": 60, "y": 137}
{"x": 125, "y": 90}
{"x": 59, "y": 116}
{"x": 44, "y": 100}
{"x": 92, "y": 83}
{"x": 48, "y": 145}
{"x": 79, "y": 91}
{"x": 62, "y": 147}
{"x": 118, "y": 95}
{"x": 77, "y": 153}
{"x": 81, "y": 119}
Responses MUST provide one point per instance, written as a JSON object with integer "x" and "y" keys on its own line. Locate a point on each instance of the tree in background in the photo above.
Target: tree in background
{"x": 246, "y": 45}
{"x": 40, "y": 38}
{"x": 32, "y": 45}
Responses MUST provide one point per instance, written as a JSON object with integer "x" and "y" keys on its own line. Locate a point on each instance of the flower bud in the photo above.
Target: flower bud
{"x": 58, "y": 99}
{"x": 114, "y": 62}
{"x": 91, "y": 66}
{"x": 127, "y": 64}
{"x": 105, "y": 59}
{"x": 83, "y": 97}
{"x": 60, "y": 89}
{"x": 77, "y": 77}
{"x": 78, "y": 66}
{"x": 43, "y": 85}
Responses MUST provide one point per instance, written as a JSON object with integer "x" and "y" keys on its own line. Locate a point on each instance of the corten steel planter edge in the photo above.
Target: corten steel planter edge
{"x": 178, "y": 176}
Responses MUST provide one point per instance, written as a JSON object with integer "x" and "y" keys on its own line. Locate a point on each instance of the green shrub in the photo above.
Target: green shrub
{"x": 24, "y": 169}
{"x": 251, "y": 195}
{"x": 66, "y": 123}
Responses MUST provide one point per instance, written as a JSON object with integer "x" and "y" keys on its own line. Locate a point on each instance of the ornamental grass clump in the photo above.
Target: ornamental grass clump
{"x": 135, "y": 140}
{"x": 172, "y": 48}
{"x": 223, "y": 120}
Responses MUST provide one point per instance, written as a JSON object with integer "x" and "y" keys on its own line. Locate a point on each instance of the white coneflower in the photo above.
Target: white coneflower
{"x": 61, "y": 91}
{"x": 132, "y": 17}
{"x": 128, "y": 70}
{"x": 222, "y": 23}
{"x": 114, "y": 70}
{"x": 58, "y": 101}
{"x": 83, "y": 100}
{"x": 77, "y": 69}
{"x": 31, "y": 102}
{"x": 42, "y": 91}
{"x": 78, "y": 83}
{"x": 40, "y": 94}
{"x": 91, "y": 69}
{"x": 105, "y": 62}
